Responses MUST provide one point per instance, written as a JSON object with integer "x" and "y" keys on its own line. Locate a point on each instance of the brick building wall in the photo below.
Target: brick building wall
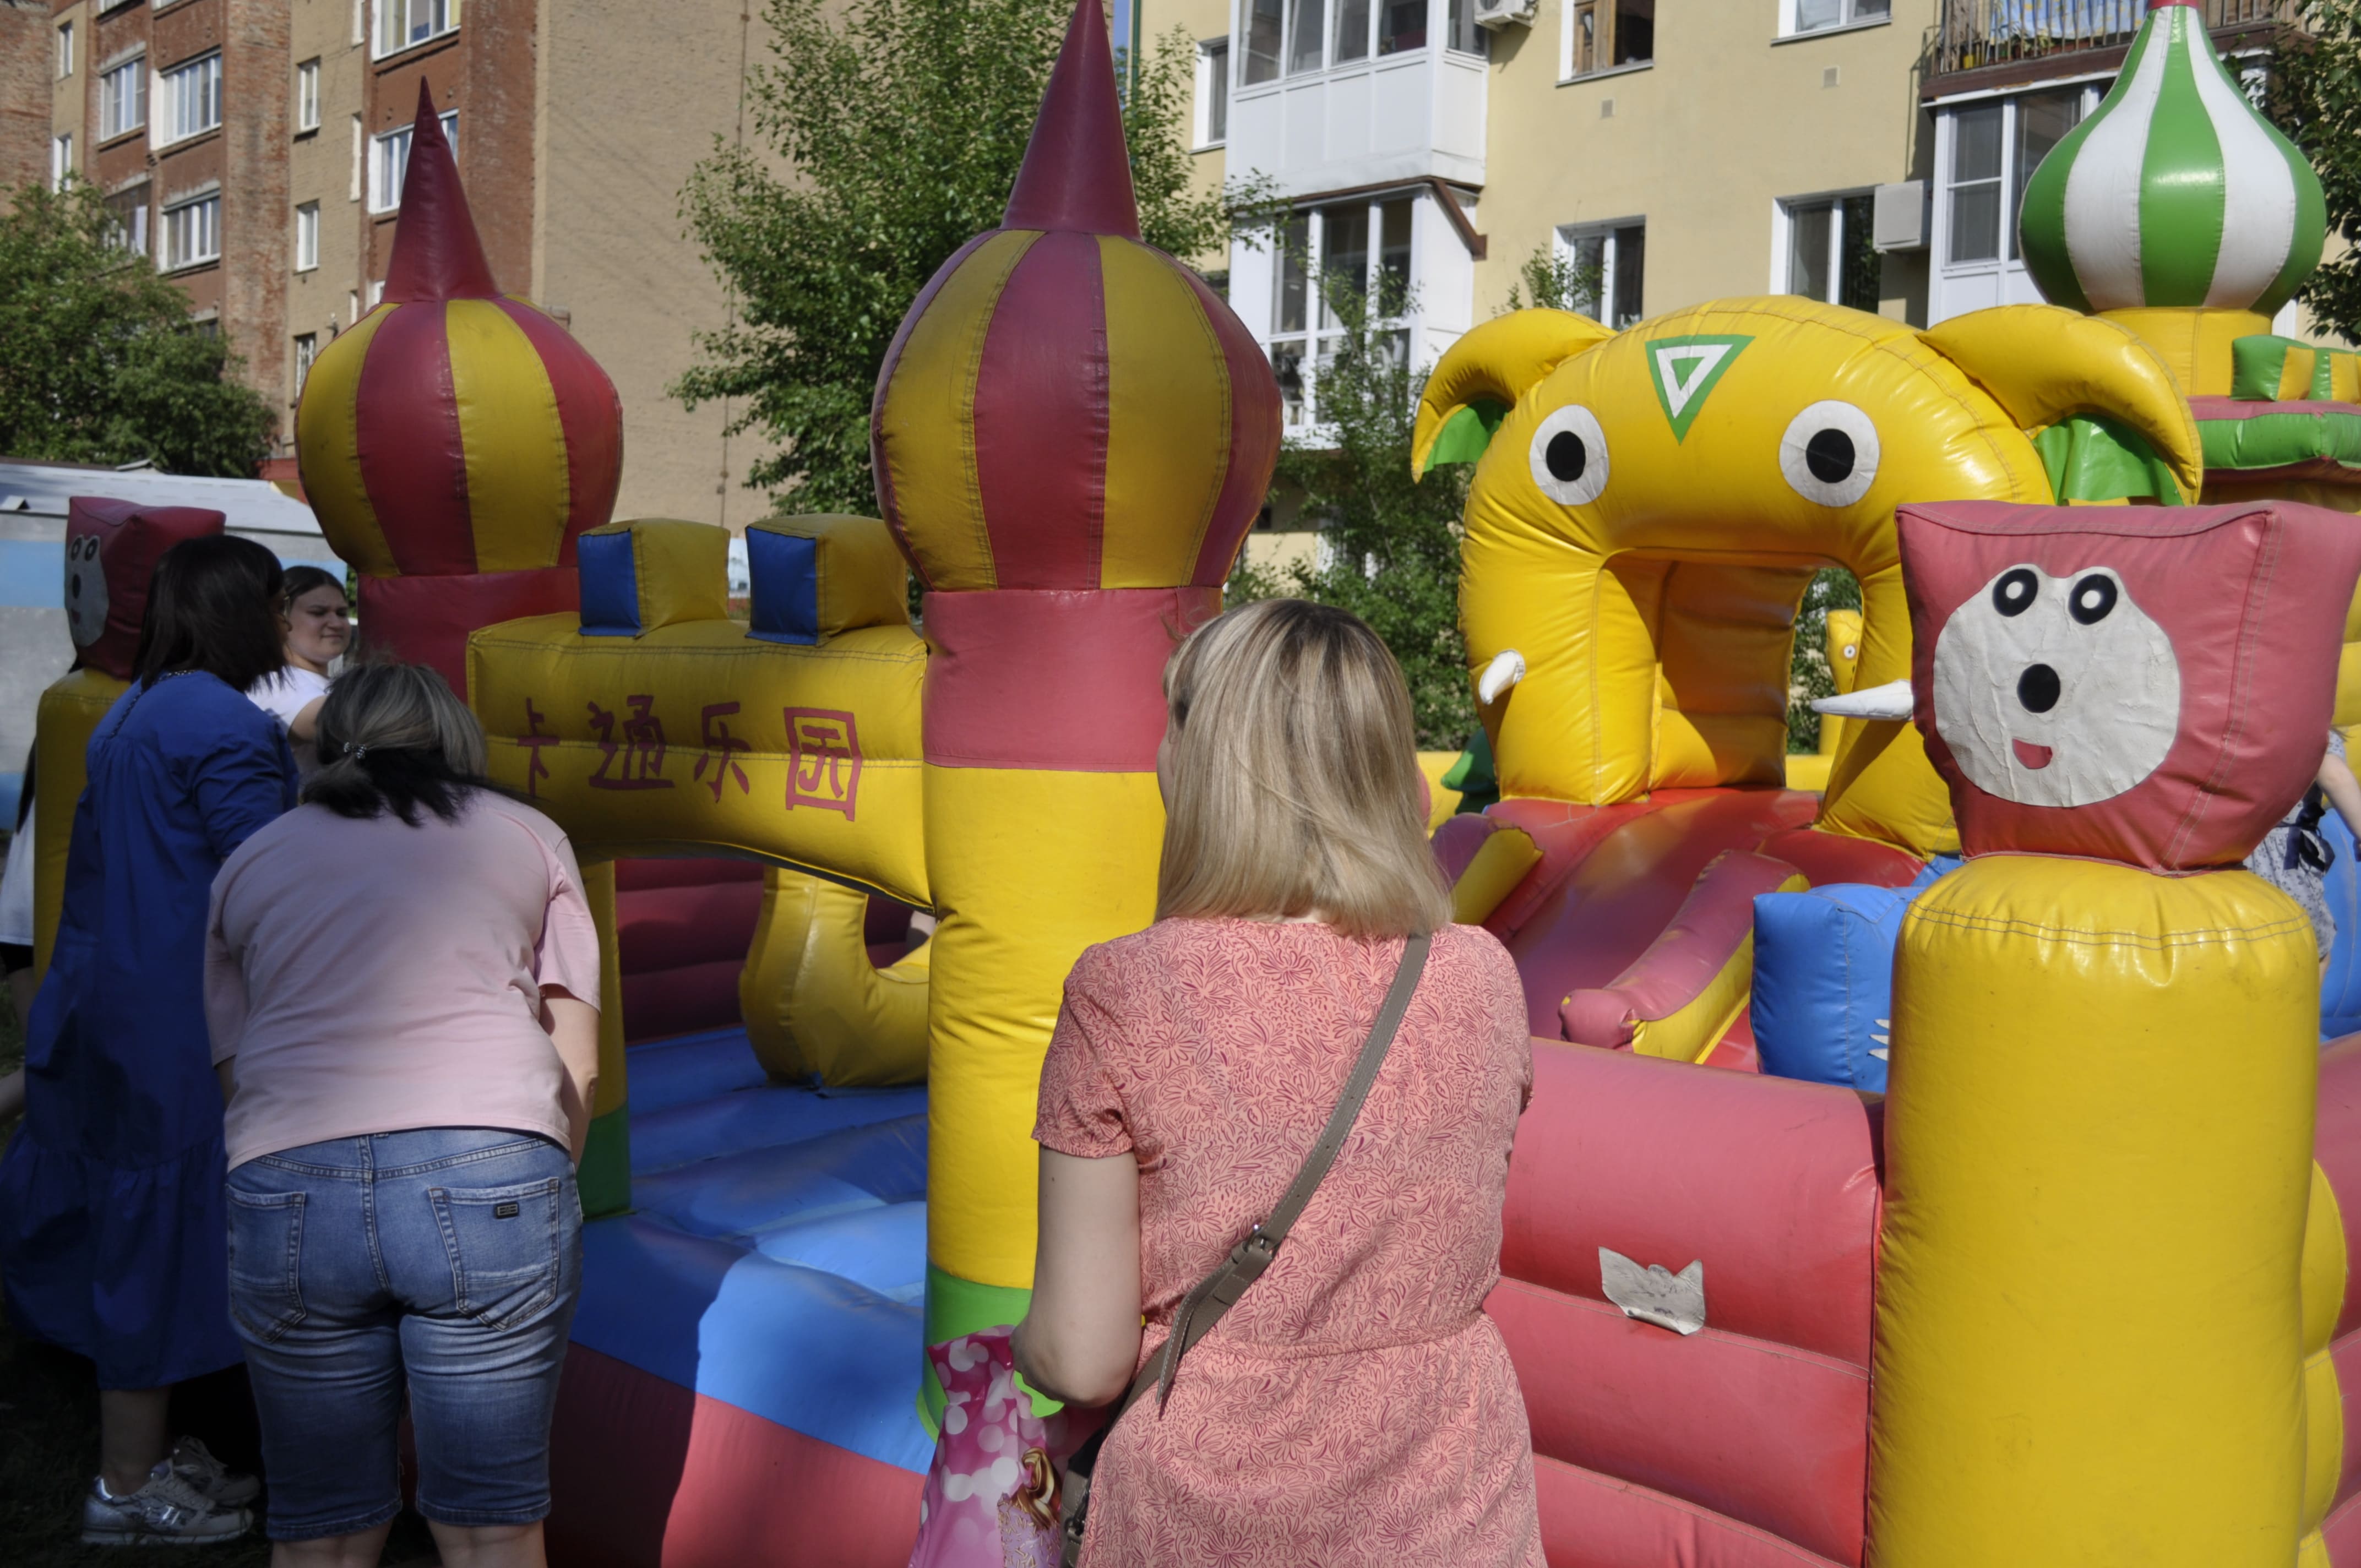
{"x": 27, "y": 63}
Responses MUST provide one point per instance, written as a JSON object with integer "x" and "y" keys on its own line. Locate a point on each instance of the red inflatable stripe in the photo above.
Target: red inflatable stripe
{"x": 663, "y": 927}
{"x": 426, "y": 619}
{"x": 1042, "y": 419}
{"x": 2336, "y": 1144}
{"x": 1771, "y": 1437}
{"x": 1589, "y": 1521}
{"x": 645, "y": 1474}
{"x": 413, "y": 461}
{"x": 1254, "y": 436}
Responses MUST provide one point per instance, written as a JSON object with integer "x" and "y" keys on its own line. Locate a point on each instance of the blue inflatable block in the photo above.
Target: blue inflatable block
{"x": 757, "y": 1118}
{"x": 691, "y": 1067}
{"x": 1824, "y": 981}
{"x": 760, "y": 1190}
{"x": 883, "y": 1249}
{"x": 2340, "y": 988}
{"x": 811, "y": 1351}
{"x": 609, "y": 573}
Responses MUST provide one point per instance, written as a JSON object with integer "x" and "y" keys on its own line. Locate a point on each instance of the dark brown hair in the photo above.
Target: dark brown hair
{"x": 213, "y": 607}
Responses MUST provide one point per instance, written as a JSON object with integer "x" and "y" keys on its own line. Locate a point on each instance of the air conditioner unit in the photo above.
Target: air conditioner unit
{"x": 1499, "y": 14}
{"x": 1899, "y": 221}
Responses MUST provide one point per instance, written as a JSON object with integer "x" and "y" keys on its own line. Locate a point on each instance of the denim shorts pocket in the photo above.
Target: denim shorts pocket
{"x": 266, "y": 1258}
{"x": 503, "y": 1244}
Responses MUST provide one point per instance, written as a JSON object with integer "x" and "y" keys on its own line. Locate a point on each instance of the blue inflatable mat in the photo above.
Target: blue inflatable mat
{"x": 810, "y": 1349}
{"x": 1823, "y": 997}
{"x": 760, "y": 1117}
{"x": 689, "y": 1067}
{"x": 2340, "y": 987}
{"x": 746, "y": 1193}
{"x": 882, "y": 1249}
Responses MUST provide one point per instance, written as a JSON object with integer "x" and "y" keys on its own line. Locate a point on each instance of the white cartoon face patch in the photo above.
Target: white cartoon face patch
{"x": 2055, "y": 691}
{"x": 86, "y": 596}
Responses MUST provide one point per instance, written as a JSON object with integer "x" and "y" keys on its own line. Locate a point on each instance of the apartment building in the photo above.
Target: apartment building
{"x": 254, "y": 150}
{"x": 1867, "y": 152}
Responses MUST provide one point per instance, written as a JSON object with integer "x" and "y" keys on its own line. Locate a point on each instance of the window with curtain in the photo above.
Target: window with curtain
{"x": 190, "y": 99}
{"x": 123, "y": 99}
{"x": 403, "y": 23}
{"x": 192, "y": 232}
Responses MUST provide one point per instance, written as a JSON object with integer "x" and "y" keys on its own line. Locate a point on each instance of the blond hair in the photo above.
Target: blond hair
{"x": 1291, "y": 776}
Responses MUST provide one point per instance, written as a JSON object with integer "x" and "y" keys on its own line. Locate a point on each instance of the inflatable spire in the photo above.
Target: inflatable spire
{"x": 2175, "y": 191}
{"x": 1072, "y": 436}
{"x": 455, "y": 442}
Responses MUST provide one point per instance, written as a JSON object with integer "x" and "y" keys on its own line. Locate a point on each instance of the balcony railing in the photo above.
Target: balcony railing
{"x": 1977, "y": 33}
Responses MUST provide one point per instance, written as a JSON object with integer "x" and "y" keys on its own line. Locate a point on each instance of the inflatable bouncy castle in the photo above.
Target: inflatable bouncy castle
{"x": 2074, "y": 1288}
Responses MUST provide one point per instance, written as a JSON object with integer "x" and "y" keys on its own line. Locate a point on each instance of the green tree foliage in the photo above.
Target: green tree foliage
{"x": 98, "y": 360}
{"x": 1548, "y": 280}
{"x": 1808, "y": 674}
{"x": 903, "y": 123}
{"x": 2315, "y": 99}
{"x": 1389, "y": 548}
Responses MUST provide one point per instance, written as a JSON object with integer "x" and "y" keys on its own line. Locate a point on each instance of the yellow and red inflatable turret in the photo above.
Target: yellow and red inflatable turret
{"x": 456, "y": 441}
{"x": 1072, "y": 434}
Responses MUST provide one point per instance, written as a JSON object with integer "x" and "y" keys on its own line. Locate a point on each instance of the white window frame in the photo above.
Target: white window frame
{"x": 65, "y": 50}
{"x": 206, "y": 225}
{"x": 1438, "y": 41}
{"x": 1317, "y": 335}
{"x": 1566, "y": 238}
{"x": 360, "y": 23}
{"x": 1939, "y": 236}
{"x": 307, "y": 354}
{"x": 1213, "y": 88}
{"x": 398, "y": 27}
{"x": 376, "y": 292}
{"x": 384, "y": 176}
{"x": 361, "y": 160}
{"x": 307, "y": 236}
{"x": 1785, "y": 210}
{"x": 135, "y": 239}
{"x": 171, "y": 124}
{"x": 60, "y": 160}
{"x": 118, "y": 84}
{"x": 1848, "y": 13}
{"x": 307, "y": 96}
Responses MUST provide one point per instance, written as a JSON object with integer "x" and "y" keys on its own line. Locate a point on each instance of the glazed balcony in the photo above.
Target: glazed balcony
{"x": 1983, "y": 44}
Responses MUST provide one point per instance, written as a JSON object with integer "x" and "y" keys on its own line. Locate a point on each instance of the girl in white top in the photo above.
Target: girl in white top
{"x": 317, "y": 625}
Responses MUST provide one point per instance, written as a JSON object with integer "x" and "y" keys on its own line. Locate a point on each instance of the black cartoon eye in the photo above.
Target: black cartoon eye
{"x": 2093, "y": 598}
{"x": 2038, "y": 688}
{"x": 2016, "y": 591}
{"x": 1566, "y": 457}
{"x": 1569, "y": 456}
{"x": 1828, "y": 453}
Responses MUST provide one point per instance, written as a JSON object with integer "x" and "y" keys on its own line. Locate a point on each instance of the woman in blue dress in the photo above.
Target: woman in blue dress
{"x": 113, "y": 1233}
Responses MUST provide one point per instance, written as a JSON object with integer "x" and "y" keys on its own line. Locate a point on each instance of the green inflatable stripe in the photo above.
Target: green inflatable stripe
{"x": 2091, "y": 457}
{"x": 2275, "y": 440}
{"x": 605, "y": 1177}
{"x": 2256, "y": 363}
{"x": 955, "y": 1306}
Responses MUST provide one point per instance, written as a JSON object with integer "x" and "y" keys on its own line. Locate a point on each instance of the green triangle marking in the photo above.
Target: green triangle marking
{"x": 1686, "y": 370}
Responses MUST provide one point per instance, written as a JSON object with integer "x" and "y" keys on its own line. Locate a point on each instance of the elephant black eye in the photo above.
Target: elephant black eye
{"x": 2014, "y": 594}
{"x": 1830, "y": 455}
{"x": 2093, "y": 598}
{"x": 1565, "y": 456}
{"x": 2038, "y": 688}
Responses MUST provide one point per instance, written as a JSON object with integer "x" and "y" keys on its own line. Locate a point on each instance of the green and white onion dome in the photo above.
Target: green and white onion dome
{"x": 2175, "y": 191}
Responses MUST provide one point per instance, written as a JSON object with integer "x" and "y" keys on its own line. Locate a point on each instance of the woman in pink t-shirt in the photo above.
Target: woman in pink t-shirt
{"x": 1355, "y": 1406}
{"x": 401, "y": 979}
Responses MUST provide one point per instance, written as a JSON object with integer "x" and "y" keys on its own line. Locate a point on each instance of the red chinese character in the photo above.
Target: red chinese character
{"x": 533, "y": 741}
{"x": 721, "y": 751}
{"x": 641, "y": 748}
{"x": 823, "y": 760}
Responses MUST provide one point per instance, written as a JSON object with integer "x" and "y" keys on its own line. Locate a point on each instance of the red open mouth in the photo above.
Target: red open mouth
{"x": 2031, "y": 755}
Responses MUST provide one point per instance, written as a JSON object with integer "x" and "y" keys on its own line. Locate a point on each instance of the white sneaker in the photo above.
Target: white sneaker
{"x": 193, "y": 1462}
{"x": 167, "y": 1511}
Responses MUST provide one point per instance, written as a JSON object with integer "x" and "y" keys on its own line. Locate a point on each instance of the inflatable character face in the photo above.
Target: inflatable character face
{"x": 2055, "y": 691}
{"x": 2137, "y": 684}
{"x": 111, "y": 548}
{"x": 1654, "y": 503}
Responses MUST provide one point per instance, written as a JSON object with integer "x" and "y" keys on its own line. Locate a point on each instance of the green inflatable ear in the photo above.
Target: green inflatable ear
{"x": 1465, "y": 433}
{"x": 1490, "y": 368}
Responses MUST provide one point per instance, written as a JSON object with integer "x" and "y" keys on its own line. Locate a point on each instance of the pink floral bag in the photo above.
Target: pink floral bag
{"x": 990, "y": 1499}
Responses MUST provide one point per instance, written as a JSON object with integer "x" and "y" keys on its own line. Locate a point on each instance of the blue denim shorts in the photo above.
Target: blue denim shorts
{"x": 446, "y": 1260}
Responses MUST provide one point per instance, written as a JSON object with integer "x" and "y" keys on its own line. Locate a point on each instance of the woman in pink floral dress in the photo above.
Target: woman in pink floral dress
{"x": 1355, "y": 1406}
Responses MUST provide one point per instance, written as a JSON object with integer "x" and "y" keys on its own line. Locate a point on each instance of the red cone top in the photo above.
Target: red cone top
{"x": 1077, "y": 175}
{"x": 436, "y": 252}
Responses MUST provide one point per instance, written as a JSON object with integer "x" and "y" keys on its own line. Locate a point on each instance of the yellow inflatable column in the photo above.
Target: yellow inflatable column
{"x": 1074, "y": 434}
{"x": 68, "y": 716}
{"x": 2099, "y": 1140}
{"x": 2094, "y": 1302}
